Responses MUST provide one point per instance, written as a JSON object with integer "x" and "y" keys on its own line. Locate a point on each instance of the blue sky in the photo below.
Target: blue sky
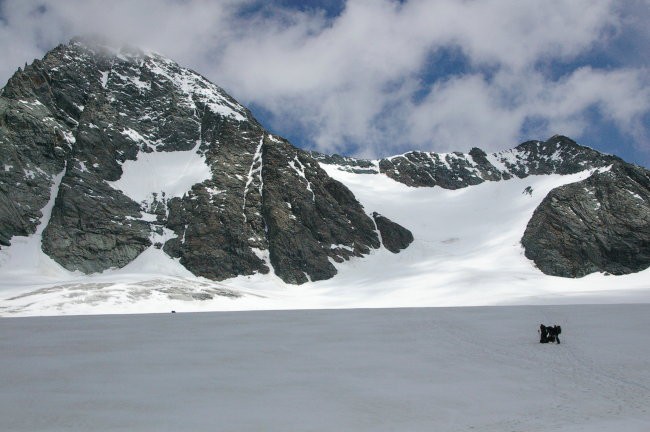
{"x": 374, "y": 78}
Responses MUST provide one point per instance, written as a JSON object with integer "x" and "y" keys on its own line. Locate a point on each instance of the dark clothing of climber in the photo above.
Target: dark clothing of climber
{"x": 549, "y": 334}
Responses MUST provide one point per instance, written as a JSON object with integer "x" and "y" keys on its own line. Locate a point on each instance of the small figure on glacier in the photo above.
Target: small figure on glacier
{"x": 543, "y": 334}
{"x": 549, "y": 334}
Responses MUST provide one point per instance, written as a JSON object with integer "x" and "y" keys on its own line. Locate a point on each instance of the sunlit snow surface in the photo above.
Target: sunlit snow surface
{"x": 466, "y": 251}
{"x": 172, "y": 173}
{"x": 376, "y": 370}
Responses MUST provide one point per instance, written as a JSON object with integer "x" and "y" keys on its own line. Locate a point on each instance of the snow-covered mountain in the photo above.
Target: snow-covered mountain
{"x": 152, "y": 154}
{"x": 599, "y": 224}
{"x": 131, "y": 184}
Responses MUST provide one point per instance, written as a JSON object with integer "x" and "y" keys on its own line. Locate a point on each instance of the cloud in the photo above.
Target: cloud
{"x": 184, "y": 28}
{"x": 365, "y": 81}
{"x": 474, "y": 111}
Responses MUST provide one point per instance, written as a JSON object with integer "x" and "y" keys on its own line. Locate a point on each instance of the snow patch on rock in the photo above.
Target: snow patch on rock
{"x": 169, "y": 173}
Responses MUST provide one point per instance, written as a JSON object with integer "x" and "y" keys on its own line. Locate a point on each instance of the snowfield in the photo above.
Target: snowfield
{"x": 466, "y": 252}
{"x": 173, "y": 173}
{"x": 425, "y": 369}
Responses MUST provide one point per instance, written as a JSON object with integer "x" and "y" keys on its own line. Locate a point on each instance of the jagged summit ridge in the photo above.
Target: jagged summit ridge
{"x": 557, "y": 155}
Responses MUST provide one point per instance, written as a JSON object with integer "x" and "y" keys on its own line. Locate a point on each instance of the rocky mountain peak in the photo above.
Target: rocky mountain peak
{"x": 151, "y": 154}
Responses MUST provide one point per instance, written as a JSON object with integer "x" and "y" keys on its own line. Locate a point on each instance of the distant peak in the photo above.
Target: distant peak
{"x": 554, "y": 141}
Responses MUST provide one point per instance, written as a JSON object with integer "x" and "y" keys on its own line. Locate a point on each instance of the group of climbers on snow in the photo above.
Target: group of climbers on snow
{"x": 548, "y": 334}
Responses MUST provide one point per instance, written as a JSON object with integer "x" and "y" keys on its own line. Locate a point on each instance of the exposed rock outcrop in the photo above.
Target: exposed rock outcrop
{"x": 393, "y": 236}
{"x": 600, "y": 224}
{"x": 349, "y": 164}
{"x": 92, "y": 227}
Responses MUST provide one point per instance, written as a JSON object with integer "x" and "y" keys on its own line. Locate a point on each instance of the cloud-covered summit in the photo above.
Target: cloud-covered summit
{"x": 373, "y": 78}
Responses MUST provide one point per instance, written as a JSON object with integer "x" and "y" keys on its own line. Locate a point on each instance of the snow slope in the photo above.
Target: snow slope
{"x": 168, "y": 173}
{"x": 466, "y": 252}
{"x": 427, "y": 369}
{"x": 467, "y": 248}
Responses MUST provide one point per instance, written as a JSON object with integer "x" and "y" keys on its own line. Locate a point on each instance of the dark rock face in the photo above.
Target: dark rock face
{"x": 357, "y": 166}
{"x": 394, "y": 236}
{"x": 85, "y": 110}
{"x": 285, "y": 206}
{"x": 93, "y": 228}
{"x": 600, "y": 224}
{"x": 451, "y": 171}
{"x": 309, "y": 216}
{"x": 557, "y": 155}
{"x": 218, "y": 223}
{"x": 31, "y": 154}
